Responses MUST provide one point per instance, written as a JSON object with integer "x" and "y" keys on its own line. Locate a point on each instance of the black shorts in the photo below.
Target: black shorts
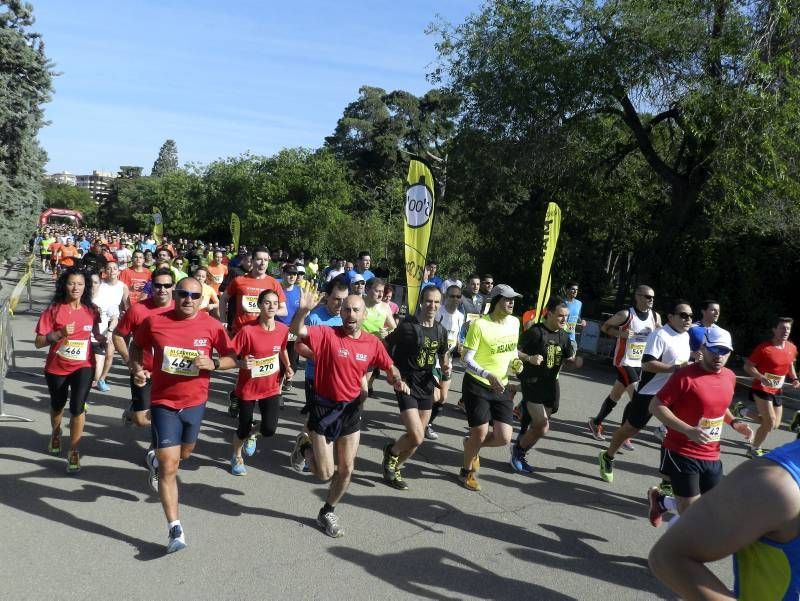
{"x": 628, "y": 375}
{"x": 482, "y": 404}
{"x": 309, "y": 397}
{"x": 542, "y": 391}
{"x": 98, "y": 348}
{"x": 690, "y": 477}
{"x": 140, "y": 396}
{"x": 776, "y": 400}
{"x": 349, "y": 422}
{"x": 414, "y": 401}
{"x": 637, "y": 411}
{"x": 75, "y": 385}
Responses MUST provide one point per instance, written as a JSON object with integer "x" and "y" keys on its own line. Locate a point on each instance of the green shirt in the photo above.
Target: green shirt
{"x": 495, "y": 345}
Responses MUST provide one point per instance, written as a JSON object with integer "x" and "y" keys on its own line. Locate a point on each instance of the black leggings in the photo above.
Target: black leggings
{"x": 269, "y": 407}
{"x": 76, "y": 385}
{"x": 294, "y": 358}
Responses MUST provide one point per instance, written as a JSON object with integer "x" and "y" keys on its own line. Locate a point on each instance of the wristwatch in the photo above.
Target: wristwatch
{"x": 216, "y": 364}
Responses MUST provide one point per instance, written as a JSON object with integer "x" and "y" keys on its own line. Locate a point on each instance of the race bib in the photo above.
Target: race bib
{"x": 635, "y": 348}
{"x": 473, "y": 316}
{"x": 218, "y": 278}
{"x": 712, "y": 426}
{"x": 250, "y": 303}
{"x": 180, "y": 361}
{"x": 451, "y": 339}
{"x": 569, "y": 327}
{"x": 292, "y": 337}
{"x": 74, "y": 350}
{"x": 774, "y": 380}
{"x": 265, "y": 367}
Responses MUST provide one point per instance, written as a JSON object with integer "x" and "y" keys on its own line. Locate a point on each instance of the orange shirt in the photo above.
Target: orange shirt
{"x": 136, "y": 281}
{"x": 217, "y": 273}
{"x": 68, "y": 255}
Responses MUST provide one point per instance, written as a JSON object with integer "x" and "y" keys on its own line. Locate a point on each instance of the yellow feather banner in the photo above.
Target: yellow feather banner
{"x": 236, "y": 230}
{"x": 419, "y": 207}
{"x": 552, "y": 227}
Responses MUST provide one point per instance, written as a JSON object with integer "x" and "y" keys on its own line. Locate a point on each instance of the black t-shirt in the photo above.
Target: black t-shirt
{"x": 414, "y": 348}
{"x": 93, "y": 262}
{"x": 555, "y": 347}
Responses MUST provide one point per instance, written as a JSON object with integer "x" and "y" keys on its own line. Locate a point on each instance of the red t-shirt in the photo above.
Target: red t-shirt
{"x": 135, "y": 280}
{"x": 134, "y": 317}
{"x": 244, "y": 291}
{"x": 75, "y": 351}
{"x": 175, "y": 342}
{"x": 774, "y": 363}
{"x": 264, "y": 380}
{"x": 342, "y": 360}
{"x": 698, "y": 397}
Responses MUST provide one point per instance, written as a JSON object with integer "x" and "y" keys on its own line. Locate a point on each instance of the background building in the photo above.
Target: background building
{"x": 65, "y": 177}
{"x": 98, "y": 184}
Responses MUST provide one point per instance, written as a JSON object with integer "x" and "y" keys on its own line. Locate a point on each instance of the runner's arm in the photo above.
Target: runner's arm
{"x": 223, "y": 305}
{"x": 722, "y": 522}
{"x": 43, "y": 340}
{"x": 654, "y": 366}
{"x": 302, "y": 349}
{"x": 121, "y": 347}
{"x": 665, "y": 415}
{"x": 751, "y": 370}
{"x": 611, "y": 327}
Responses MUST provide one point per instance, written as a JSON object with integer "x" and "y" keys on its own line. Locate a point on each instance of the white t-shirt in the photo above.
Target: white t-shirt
{"x": 667, "y": 346}
{"x": 452, "y": 322}
{"x": 333, "y": 273}
{"x": 107, "y": 300}
{"x": 124, "y": 256}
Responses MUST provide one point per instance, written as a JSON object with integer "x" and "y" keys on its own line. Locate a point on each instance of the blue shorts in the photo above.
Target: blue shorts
{"x": 174, "y": 427}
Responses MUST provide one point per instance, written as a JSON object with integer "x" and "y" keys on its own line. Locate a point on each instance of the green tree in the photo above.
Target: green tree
{"x": 130, "y": 172}
{"x": 25, "y": 85}
{"x": 167, "y": 160}
{"x": 63, "y": 196}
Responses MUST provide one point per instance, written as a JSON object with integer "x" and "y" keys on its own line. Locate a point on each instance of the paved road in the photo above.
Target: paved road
{"x": 559, "y": 534}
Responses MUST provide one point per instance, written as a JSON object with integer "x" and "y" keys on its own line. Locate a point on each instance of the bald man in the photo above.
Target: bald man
{"x": 342, "y": 355}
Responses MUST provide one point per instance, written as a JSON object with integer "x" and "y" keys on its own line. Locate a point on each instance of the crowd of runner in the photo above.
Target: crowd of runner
{"x": 176, "y": 311}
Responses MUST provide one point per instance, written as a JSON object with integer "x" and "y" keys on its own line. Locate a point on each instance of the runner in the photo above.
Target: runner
{"x": 697, "y": 333}
{"x": 417, "y": 345}
{"x": 210, "y": 302}
{"x": 68, "y": 254}
{"x": 292, "y": 293}
{"x": 489, "y": 348}
{"x": 358, "y": 285}
{"x": 630, "y": 327}
{"x": 378, "y": 320}
{"x": 544, "y": 348}
{"x": 217, "y": 269}
{"x": 94, "y": 260}
{"x": 693, "y": 404}
{"x": 262, "y": 350}
{"x": 135, "y": 278}
{"x": 44, "y": 251}
{"x": 768, "y": 365}
{"x": 667, "y": 350}
{"x": 107, "y": 297}
{"x": 361, "y": 267}
{"x": 343, "y": 355}
{"x": 244, "y": 291}
{"x": 181, "y": 343}
{"x": 66, "y": 326}
{"x": 452, "y": 319}
{"x": 574, "y": 317}
{"x": 764, "y": 538}
{"x": 138, "y": 412}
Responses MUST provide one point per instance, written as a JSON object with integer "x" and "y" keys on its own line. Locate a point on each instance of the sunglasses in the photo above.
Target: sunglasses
{"x": 161, "y": 286}
{"x": 719, "y": 351}
{"x": 685, "y": 315}
{"x": 647, "y": 296}
{"x": 453, "y": 296}
{"x": 188, "y": 294}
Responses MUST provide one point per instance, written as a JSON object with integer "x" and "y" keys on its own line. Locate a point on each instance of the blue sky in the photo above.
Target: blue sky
{"x": 220, "y": 78}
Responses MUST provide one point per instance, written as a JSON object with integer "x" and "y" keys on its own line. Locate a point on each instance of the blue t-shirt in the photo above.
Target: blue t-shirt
{"x": 574, "y": 316}
{"x": 320, "y": 317}
{"x": 292, "y": 304}
{"x": 84, "y": 245}
{"x": 367, "y": 274}
{"x": 697, "y": 335}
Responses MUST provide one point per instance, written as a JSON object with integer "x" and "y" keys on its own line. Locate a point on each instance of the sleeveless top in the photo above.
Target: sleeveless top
{"x": 629, "y": 351}
{"x": 766, "y": 569}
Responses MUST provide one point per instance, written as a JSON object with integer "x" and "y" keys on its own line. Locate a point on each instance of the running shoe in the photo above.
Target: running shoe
{"x": 73, "y": 463}
{"x": 469, "y": 480}
{"x": 795, "y": 425}
{"x": 627, "y": 445}
{"x": 389, "y": 462}
{"x": 286, "y": 386}
{"x": 653, "y": 500}
{"x": 150, "y": 462}
{"x": 54, "y": 445}
{"x": 738, "y": 410}
{"x": 518, "y": 461}
{"x": 476, "y": 463}
{"x": 370, "y": 392}
{"x": 177, "y": 540}
{"x": 237, "y": 466}
{"x": 755, "y": 453}
{"x": 397, "y": 481}
{"x": 233, "y": 405}
{"x": 516, "y": 413}
{"x": 430, "y": 433}
{"x": 596, "y": 430}
{"x": 250, "y": 445}
{"x": 606, "y": 467}
{"x": 660, "y": 433}
{"x": 329, "y": 522}
{"x": 460, "y": 405}
{"x": 297, "y": 460}
{"x": 102, "y": 386}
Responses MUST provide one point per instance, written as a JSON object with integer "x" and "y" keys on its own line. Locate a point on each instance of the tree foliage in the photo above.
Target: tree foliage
{"x": 167, "y": 160}
{"x": 63, "y": 196}
{"x": 25, "y": 84}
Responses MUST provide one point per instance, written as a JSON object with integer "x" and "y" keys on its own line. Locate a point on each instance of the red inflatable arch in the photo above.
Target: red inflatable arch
{"x": 75, "y": 216}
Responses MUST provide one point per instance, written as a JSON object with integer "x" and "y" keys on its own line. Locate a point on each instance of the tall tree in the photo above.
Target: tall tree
{"x": 167, "y": 160}
{"x": 129, "y": 172}
{"x": 25, "y": 84}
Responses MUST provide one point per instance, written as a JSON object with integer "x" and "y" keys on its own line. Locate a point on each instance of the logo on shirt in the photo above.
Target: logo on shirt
{"x": 276, "y": 349}
{"x": 504, "y": 348}
{"x": 200, "y": 342}
{"x": 361, "y": 357}
{"x": 87, "y": 328}
{"x": 343, "y": 352}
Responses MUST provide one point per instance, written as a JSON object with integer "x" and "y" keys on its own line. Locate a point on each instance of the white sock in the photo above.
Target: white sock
{"x": 173, "y": 524}
{"x": 670, "y": 504}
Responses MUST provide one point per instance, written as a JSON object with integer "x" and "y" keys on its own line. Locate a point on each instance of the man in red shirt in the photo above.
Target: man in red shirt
{"x": 135, "y": 277}
{"x": 181, "y": 342}
{"x": 693, "y": 404}
{"x": 343, "y": 354}
{"x": 244, "y": 291}
{"x": 768, "y": 365}
{"x": 138, "y": 413}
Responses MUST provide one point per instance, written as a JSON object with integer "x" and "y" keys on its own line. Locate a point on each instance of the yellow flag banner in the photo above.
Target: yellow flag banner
{"x": 158, "y": 226}
{"x": 236, "y": 230}
{"x": 418, "y": 222}
{"x": 22, "y": 285}
{"x": 552, "y": 227}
